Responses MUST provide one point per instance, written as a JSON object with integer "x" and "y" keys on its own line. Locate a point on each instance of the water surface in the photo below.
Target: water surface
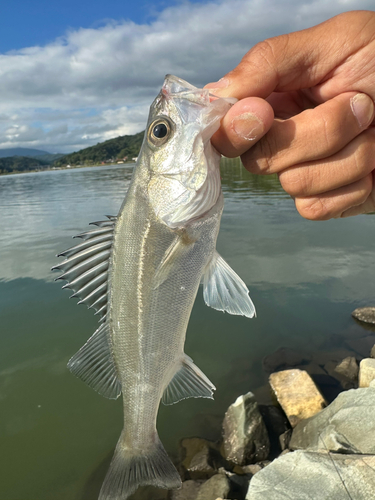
{"x": 57, "y": 435}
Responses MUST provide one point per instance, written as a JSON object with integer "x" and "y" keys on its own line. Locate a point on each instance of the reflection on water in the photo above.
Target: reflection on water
{"x": 57, "y": 434}
{"x": 236, "y": 179}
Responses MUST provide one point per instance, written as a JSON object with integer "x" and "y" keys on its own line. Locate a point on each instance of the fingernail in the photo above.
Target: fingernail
{"x": 363, "y": 109}
{"x": 221, "y": 84}
{"x": 247, "y": 126}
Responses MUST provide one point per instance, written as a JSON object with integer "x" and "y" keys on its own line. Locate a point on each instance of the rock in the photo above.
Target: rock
{"x": 366, "y": 372}
{"x": 238, "y": 483}
{"x": 285, "y": 439}
{"x": 297, "y": 394}
{"x": 283, "y": 358}
{"x": 188, "y": 491}
{"x": 365, "y": 314}
{"x": 346, "y": 371}
{"x": 304, "y": 475}
{"x": 363, "y": 345}
{"x": 284, "y": 452}
{"x": 217, "y": 486}
{"x": 252, "y": 469}
{"x": 348, "y": 368}
{"x": 245, "y": 435}
{"x": 276, "y": 424}
{"x": 199, "y": 458}
{"x": 347, "y": 425}
{"x": 372, "y": 353}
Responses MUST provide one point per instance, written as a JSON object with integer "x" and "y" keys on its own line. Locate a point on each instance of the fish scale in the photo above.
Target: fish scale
{"x": 141, "y": 272}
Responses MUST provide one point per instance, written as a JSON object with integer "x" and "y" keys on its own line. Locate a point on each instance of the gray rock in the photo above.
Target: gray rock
{"x": 276, "y": 424}
{"x": 199, "y": 458}
{"x": 245, "y": 436}
{"x": 252, "y": 469}
{"x": 348, "y": 368}
{"x": 217, "y": 486}
{"x": 366, "y": 372}
{"x": 346, "y": 371}
{"x": 285, "y": 439}
{"x": 188, "y": 491}
{"x": 372, "y": 353}
{"x": 347, "y": 425}
{"x": 282, "y": 359}
{"x": 238, "y": 481}
{"x": 304, "y": 475}
{"x": 365, "y": 314}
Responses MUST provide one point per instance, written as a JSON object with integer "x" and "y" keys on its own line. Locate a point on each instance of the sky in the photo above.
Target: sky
{"x": 76, "y": 73}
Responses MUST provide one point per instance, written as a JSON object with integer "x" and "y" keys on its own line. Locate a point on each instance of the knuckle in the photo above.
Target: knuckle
{"x": 366, "y": 188}
{"x": 263, "y": 54}
{"x": 364, "y": 154}
{"x": 313, "y": 208}
{"x": 259, "y": 159}
{"x": 298, "y": 181}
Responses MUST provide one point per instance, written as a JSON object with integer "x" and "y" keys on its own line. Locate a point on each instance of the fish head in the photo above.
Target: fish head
{"x": 184, "y": 177}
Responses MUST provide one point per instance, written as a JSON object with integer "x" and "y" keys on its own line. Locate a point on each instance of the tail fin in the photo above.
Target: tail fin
{"x": 129, "y": 470}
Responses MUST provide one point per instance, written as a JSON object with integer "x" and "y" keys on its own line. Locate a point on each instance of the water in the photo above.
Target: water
{"x": 57, "y": 435}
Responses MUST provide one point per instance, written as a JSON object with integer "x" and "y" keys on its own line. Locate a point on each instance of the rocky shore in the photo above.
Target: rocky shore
{"x": 303, "y": 447}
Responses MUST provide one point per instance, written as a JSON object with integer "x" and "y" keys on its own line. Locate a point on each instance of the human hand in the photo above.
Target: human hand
{"x": 306, "y": 112}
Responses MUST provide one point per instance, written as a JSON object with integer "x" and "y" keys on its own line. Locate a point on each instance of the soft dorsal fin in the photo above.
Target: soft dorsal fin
{"x": 224, "y": 290}
{"x": 188, "y": 382}
{"x": 94, "y": 364}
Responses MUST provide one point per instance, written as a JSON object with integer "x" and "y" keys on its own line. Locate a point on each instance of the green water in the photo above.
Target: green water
{"x": 57, "y": 435}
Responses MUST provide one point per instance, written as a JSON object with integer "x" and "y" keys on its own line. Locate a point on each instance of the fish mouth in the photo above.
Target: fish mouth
{"x": 177, "y": 88}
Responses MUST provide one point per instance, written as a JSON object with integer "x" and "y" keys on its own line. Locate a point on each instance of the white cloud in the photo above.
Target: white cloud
{"x": 98, "y": 83}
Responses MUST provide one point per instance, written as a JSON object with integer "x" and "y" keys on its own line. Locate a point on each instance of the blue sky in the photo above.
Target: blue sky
{"x": 76, "y": 73}
{"x": 25, "y": 23}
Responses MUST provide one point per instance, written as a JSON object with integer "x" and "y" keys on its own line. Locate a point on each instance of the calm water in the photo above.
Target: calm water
{"x": 56, "y": 434}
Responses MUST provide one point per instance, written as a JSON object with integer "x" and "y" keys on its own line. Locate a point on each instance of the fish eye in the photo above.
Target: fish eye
{"x": 159, "y": 131}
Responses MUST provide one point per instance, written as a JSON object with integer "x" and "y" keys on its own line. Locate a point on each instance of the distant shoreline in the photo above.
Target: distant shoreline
{"x": 73, "y": 167}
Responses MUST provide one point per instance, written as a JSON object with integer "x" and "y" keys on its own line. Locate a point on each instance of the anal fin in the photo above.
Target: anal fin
{"x": 224, "y": 290}
{"x": 94, "y": 364}
{"x": 188, "y": 382}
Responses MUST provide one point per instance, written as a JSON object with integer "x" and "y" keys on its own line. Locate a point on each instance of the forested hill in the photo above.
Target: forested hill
{"x": 113, "y": 149}
{"x": 20, "y": 164}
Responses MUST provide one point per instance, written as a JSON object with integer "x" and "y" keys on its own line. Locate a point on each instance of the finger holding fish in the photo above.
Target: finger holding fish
{"x": 247, "y": 121}
{"x": 320, "y": 84}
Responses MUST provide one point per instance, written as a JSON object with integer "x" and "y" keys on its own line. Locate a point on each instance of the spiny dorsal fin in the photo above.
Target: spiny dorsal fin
{"x": 94, "y": 364}
{"x": 188, "y": 382}
{"x": 224, "y": 290}
{"x": 85, "y": 267}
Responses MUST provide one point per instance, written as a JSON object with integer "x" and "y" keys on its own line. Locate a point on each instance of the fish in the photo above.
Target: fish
{"x": 141, "y": 271}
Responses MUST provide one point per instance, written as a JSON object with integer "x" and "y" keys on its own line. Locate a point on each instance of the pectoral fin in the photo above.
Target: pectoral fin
{"x": 224, "y": 290}
{"x": 188, "y": 382}
{"x": 174, "y": 252}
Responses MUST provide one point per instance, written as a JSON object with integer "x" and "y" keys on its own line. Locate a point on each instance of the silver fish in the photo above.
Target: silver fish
{"x": 141, "y": 271}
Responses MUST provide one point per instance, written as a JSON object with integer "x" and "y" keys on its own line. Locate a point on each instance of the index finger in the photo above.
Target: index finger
{"x": 295, "y": 61}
